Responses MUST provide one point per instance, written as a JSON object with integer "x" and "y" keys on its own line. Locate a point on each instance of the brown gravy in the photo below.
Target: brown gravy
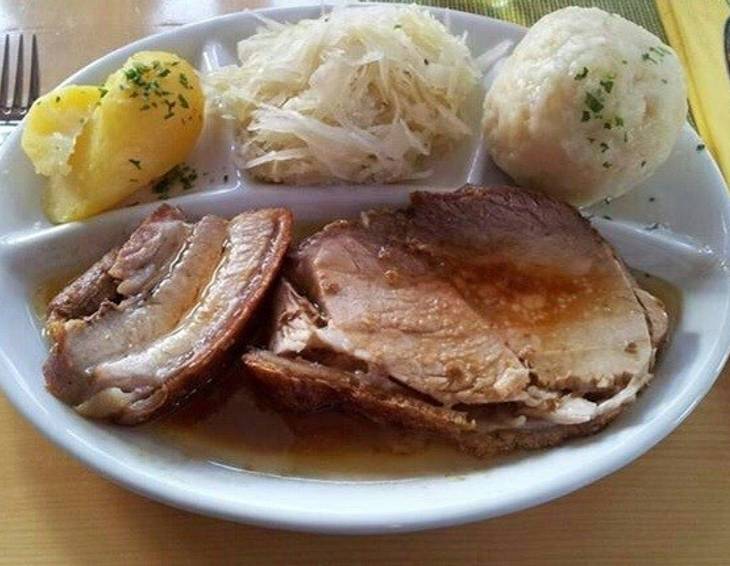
{"x": 230, "y": 424}
{"x": 528, "y": 296}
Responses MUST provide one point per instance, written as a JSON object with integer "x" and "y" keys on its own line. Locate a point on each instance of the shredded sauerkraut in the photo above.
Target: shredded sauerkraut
{"x": 362, "y": 94}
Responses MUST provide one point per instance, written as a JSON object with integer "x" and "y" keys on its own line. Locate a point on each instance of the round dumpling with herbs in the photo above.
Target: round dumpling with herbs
{"x": 587, "y": 106}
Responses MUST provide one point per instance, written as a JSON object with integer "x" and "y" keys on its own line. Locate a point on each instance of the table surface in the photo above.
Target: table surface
{"x": 672, "y": 505}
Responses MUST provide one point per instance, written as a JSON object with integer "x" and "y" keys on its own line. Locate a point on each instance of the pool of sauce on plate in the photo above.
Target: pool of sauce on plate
{"x": 229, "y": 423}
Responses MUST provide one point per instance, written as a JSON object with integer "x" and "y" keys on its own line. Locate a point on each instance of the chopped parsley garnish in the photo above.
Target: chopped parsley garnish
{"x": 170, "y": 106}
{"x": 58, "y": 99}
{"x": 103, "y": 91}
{"x": 425, "y": 62}
{"x": 184, "y": 175}
{"x": 593, "y": 103}
{"x": 183, "y": 101}
{"x": 607, "y": 165}
{"x": 188, "y": 176}
{"x": 700, "y": 147}
{"x": 135, "y": 73}
{"x": 163, "y": 185}
{"x": 624, "y": 62}
{"x": 582, "y": 75}
{"x": 661, "y": 51}
{"x": 648, "y": 57}
{"x": 665, "y": 81}
{"x": 595, "y": 100}
{"x": 142, "y": 81}
{"x": 643, "y": 163}
{"x": 397, "y": 26}
{"x": 184, "y": 80}
{"x": 136, "y": 162}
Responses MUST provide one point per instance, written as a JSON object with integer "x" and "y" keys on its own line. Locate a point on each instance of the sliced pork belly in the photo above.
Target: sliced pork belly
{"x": 85, "y": 294}
{"x": 501, "y": 304}
{"x": 182, "y": 295}
{"x": 155, "y": 242}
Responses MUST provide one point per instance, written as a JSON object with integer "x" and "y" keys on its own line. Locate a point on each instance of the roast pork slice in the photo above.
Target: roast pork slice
{"x": 656, "y": 316}
{"x": 497, "y": 303}
{"x": 387, "y": 305}
{"x": 541, "y": 276}
{"x": 183, "y": 295}
{"x": 302, "y": 385}
{"x": 502, "y": 266}
{"x": 305, "y": 386}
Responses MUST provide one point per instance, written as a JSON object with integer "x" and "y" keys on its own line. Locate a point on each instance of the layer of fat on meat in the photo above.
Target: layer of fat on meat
{"x": 156, "y": 360}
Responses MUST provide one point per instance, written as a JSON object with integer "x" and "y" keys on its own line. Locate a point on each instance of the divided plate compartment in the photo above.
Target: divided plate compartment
{"x": 675, "y": 226}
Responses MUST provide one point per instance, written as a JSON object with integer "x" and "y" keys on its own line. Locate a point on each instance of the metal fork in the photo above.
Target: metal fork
{"x": 12, "y": 112}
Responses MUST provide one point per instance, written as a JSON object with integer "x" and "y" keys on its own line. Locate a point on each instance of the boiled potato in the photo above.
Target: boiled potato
{"x": 147, "y": 118}
{"x": 53, "y": 125}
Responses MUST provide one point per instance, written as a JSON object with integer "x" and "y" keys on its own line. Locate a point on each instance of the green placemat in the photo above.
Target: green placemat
{"x": 527, "y": 12}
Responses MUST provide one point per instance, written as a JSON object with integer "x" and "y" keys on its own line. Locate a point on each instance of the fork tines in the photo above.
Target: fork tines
{"x": 12, "y": 111}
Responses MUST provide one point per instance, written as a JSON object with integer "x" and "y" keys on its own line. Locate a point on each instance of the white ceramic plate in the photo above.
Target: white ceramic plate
{"x": 688, "y": 197}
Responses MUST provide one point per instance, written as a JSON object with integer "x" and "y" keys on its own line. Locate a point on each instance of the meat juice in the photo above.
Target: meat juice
{"x": 231, "y": 423}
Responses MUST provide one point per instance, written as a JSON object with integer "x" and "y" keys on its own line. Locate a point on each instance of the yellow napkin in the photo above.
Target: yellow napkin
{"x": 695, "y": 29}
